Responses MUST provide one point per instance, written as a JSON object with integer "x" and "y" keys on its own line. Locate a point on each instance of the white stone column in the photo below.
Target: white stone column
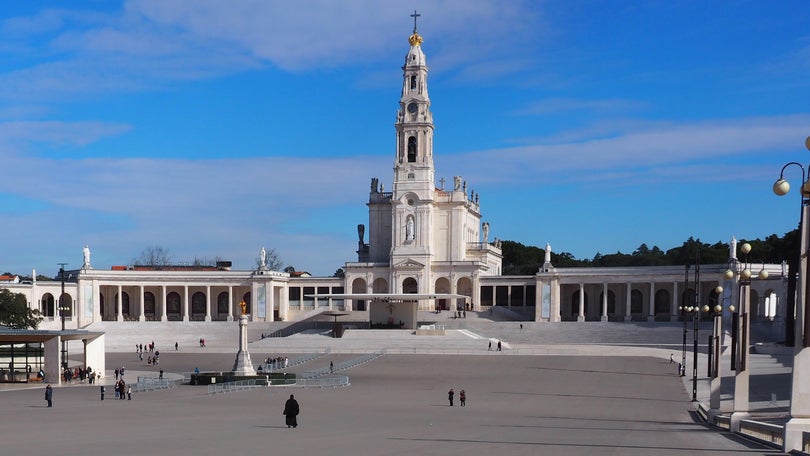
{"x": 208, "y": 303}
{"x": 119, "y": 311}
{"x": 185, "y": 303}
{"x": 162, "y": 303}
{"x": 230, "y": 302}
{"x": 581, "y": 315}
{"x": 604, "y": 316}
{"x": 651, "y": 310}
{"x": 628, "y": 302}
{"x": 141, "y": 316}
{"x": 271, "y": 302}
{"x": 673, "y": 306}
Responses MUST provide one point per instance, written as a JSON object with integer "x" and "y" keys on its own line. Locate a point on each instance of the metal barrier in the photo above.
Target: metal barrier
{"x": 343, "y": 366}
{"x": 242, "y": 385}
{"x": 153, "y": 384}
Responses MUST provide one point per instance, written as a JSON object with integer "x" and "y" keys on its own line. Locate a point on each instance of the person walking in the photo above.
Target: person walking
{"x": 462, "y": 398}
{"x": 499, "y": 345}
{"x": 49, "y": 395}
{"x": 450, "y": 395}
{"x": 291, "y": 411}
{"x": 331, "y": 368}
{"x": 129, "y": 392}
{"x": 490, "y": 346}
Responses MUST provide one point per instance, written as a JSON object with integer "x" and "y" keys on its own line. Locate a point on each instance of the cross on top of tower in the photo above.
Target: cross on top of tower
{"x": 415, "y": 39}
{"x": 414, "y": 16}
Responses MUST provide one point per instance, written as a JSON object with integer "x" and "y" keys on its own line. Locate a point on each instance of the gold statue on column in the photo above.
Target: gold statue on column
{"x": 243, "y": 305}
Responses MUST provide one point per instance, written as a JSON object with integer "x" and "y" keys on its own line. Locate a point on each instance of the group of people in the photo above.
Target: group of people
{"x": 462, "y": 397}
{"x": 122, "y": 390}
{"x": 278, "y": 362}
{"x": 490, "y": 346}
{"x": 202, "y": 343}
{"x": 139, "y": 348}
{"x": 81, "y": 374}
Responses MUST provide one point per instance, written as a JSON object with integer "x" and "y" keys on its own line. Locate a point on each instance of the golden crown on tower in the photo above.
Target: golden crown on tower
{"x": 415, "y": 39}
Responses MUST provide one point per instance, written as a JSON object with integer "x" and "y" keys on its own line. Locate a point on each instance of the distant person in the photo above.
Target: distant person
{"x": 450, "y": 395}
{"x": 129, "y": 392}
{"x": 521, "y": 326}
{"x": 499, "y": 345}
{"x": 331, "y": 367}
{"x": 462, "y": 398}
{"x": 671, "y": 359}
{"x": 176, "y": 346}
{"x": 291, "y": 411}
{"x": 49, "y": 395}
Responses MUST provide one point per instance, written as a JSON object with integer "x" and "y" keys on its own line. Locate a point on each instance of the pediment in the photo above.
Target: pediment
{"x": 409, "y": 264}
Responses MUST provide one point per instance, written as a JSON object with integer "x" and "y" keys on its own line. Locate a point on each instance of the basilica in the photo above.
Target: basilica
{"x": 422, "y": 237}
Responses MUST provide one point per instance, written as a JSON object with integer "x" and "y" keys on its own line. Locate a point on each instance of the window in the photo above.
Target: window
{"x": 412, "y": 149}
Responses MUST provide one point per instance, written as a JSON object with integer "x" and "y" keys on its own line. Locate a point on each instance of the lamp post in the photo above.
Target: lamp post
{"x": 683, "y": 307}
{"x": 62, "y": 309}
{"x": 799, "y": 328}
{"x": 696, "y": 323}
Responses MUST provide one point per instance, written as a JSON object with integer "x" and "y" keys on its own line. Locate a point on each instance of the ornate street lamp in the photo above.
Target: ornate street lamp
{"x": 797, "y": 329}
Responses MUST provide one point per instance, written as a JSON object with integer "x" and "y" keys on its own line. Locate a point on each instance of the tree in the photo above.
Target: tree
{"x": 289, "y": 269}
{"x": 153, "y": 256}
{"x": 14, "y": 311}
{"x": 339, "y": 273}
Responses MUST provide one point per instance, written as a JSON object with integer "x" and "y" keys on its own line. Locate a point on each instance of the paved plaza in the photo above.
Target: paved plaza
{"x": 571, "y": 400}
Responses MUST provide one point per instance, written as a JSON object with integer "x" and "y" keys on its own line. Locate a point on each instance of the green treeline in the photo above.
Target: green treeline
{"x": 519, "y": 259}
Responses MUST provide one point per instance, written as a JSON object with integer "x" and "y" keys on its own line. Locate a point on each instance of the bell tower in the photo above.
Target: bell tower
{"x": 413, "y": 168}
{"x": 413, "y": 192}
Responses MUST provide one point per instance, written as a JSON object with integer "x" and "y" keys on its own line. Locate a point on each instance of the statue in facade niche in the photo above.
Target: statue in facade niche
{"x": 409, "y": 230}
{"x": 485, "y": 229}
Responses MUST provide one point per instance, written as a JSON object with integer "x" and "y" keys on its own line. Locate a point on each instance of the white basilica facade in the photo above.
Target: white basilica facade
{"x": 423, "y": 237}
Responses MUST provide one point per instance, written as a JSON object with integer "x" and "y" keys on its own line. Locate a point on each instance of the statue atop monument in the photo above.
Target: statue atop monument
{"x": 86, "y": 254}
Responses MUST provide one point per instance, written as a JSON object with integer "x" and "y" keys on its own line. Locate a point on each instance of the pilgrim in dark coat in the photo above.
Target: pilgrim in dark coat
{"x": 291, "y": 411}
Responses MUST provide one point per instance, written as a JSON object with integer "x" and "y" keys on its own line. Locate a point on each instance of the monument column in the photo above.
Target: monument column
{"x": 581, "y": 315}
{"x": 243, "y": 365}
{"x": 651, "y": 314}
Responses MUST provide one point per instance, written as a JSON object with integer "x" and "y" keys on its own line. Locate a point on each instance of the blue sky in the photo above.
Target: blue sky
{"x": 213, "y": 128}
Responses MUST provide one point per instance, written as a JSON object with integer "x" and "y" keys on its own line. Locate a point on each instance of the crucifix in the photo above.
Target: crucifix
{"x": 441, "y": 181}
{"x": 414, "y": 16}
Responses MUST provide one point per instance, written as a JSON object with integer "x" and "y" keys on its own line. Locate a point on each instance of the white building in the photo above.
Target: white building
{"x": 423, "y": 237}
